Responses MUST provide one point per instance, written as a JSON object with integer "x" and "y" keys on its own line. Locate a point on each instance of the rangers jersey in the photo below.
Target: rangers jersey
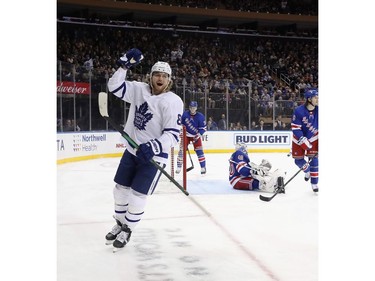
{"x": 194, "y": 123}
{"x": 305, "y": 123}
{"x": 239, "y": 166}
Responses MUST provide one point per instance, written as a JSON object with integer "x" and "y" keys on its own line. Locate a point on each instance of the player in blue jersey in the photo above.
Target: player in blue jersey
{"x": 305, "y": 137}
{"x": 154, "y": 122}
{"x": 195, "y": 124}
{"x": 246, "y": 175}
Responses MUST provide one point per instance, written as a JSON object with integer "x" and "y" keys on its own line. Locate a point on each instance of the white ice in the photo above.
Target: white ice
{"x": 214, "y": 234}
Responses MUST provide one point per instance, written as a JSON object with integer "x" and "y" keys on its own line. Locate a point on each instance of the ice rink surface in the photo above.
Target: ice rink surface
{"x": 215, "y": 234}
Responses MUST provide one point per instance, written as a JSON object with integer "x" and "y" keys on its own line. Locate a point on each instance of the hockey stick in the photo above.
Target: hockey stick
{"x": 191, "y": 161}
{"x": 103, "y": 108}
{"x": 279, "y": 190}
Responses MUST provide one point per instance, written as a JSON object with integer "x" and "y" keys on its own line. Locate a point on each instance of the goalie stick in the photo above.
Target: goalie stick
{"x": 279, "y": 190}
{"x": 103, "y": 109}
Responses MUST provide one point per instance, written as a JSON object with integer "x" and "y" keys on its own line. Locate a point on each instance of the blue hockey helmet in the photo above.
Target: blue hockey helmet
{"x": 309, "y": 93}
{"x": 193, "y": 104}
{"x": 241, "y": 146}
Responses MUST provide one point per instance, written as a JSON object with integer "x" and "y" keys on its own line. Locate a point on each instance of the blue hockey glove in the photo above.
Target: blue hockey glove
{"x": 131, "y": 58}
{"x": 147, "y": 150}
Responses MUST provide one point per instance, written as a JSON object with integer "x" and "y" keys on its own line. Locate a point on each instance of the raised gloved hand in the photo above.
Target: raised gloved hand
{"x": 131, "y": 58}
{"x": 304, "y": 143}
{"x": 147, "y": 150}
{"x": 197, "y": 137}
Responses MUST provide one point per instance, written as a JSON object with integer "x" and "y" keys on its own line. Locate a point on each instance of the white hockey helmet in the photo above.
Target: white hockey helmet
{"x": 161, "y": 66}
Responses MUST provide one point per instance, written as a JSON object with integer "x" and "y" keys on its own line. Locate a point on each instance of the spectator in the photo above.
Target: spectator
{"x": 211, "y": 124}
{"x": 284, "y": 126}
{"x": 276, "y": 126}
{"x": 211, "y": 102}
{"x": 222, "y": 125}
{"x": 238, "y": 126}
{"x": 68, "y": 127}
{"x": 253, "y": 125}
{"x": 279, "y": 121}
{"x": 262, "y": 126}
{"x": 58, "y": 125}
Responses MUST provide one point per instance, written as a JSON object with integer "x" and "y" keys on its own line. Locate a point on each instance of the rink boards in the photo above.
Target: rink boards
{"x": 77, "y": 146}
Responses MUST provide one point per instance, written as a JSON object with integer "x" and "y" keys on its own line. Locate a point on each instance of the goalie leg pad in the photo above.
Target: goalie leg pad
{"x": 269, "y": 182}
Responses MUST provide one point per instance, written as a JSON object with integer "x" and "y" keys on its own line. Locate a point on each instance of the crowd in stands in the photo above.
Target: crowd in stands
{"x": 219, "y": 66}
{"x": 255, "y": 126}
{"x": 262, "y": 6}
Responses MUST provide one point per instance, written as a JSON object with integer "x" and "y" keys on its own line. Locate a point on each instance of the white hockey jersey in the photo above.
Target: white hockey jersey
{"x": 150, "y": 116}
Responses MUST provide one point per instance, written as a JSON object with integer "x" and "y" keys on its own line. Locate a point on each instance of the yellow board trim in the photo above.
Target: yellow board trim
{"x": 112, "y": 155}
{"x": 88, "y": 157}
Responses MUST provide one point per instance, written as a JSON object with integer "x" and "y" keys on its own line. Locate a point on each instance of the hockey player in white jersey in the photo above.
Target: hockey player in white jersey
{"x": 154, "y": 122}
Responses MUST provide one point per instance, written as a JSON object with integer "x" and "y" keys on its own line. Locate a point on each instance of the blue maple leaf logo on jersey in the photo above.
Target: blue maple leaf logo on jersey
{"x": 142, "y": 116}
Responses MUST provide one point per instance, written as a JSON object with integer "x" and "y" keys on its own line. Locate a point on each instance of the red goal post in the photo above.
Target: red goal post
{"x": 174, "y": 158}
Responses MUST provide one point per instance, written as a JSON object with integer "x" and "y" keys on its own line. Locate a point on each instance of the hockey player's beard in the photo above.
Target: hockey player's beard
{"x": 163, "y": 90}
{"x": 159, "y": 90}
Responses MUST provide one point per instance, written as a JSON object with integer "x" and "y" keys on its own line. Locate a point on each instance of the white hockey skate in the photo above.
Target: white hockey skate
{"x": 111, "y": 236}
{"x": 122, "y": 238}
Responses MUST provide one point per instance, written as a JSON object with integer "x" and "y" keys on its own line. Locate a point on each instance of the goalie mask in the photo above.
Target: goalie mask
{"x": 241, "y": 146}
